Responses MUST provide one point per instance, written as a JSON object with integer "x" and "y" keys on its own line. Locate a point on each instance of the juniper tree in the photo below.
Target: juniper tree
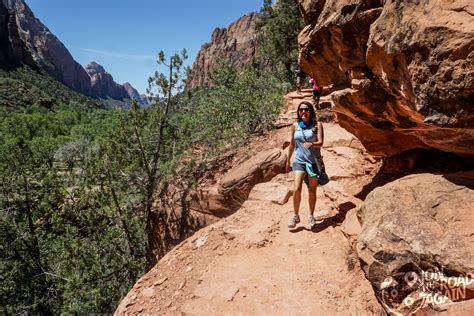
{"x": 278, "y": 30}
{"x": 163, "y": 90}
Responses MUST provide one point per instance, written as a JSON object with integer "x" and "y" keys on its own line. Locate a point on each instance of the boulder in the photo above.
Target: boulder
{"x": 409, "y": 66}
{"x": 211, "y": 203}
{"x": 351, "y": 226}
{"x": 271, "y": 191}
{"x": 452, "y": 309}
{"x": 261, "y": 168}
{"x": 414, "y": 226}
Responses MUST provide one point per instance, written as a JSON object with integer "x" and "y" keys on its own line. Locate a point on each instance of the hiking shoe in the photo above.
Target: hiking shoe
{"x": 311, "y": 221}
{"x": 295, "y": 219}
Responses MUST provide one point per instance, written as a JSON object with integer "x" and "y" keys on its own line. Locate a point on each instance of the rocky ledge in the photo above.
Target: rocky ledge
{"x": 404, "y": 70}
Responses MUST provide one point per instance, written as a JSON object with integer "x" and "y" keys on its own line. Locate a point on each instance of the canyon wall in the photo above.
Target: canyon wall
{"x": 237, "y": 44}
{"x": 404, "y": 70}
{"x": 25, "y": 40}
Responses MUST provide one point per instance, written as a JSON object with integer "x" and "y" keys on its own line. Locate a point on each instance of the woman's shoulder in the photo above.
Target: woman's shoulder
{"x": 294, "y": 127}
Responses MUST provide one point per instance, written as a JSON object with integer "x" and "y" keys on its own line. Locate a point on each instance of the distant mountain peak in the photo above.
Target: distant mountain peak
{"x": 103, "y": 85}
{"x": 25, "y": 40}
{"x": 94, "y": 68}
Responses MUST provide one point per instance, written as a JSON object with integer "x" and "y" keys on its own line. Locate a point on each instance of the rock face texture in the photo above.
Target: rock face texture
{"x": 25, "y": 40}
{"x": 407, "y": 68}
{"x": 222, "y": 199}
{"x": 420, "y": 223}
{"x": 239, "y": 182}
{"x": 133, "y": 94}
{"x": 236, "y": 44}
{"x": 103, "y": 84}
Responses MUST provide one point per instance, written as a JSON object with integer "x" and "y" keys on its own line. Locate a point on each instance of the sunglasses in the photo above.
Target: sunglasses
{"x": 304, "y": 110}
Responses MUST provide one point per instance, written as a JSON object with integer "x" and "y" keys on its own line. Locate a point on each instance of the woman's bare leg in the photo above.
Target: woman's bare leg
{"x": 313, "y": 185}
{"x": 299, "y": 176}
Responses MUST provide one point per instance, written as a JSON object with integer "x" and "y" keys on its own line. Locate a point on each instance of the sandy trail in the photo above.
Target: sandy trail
{"x": 268, "y": 268}
{"x": 250, "y": 263}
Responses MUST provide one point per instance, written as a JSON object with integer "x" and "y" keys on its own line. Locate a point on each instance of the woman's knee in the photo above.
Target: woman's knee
{"x": 297, "y": 189}
{"x": 313, "y": 185}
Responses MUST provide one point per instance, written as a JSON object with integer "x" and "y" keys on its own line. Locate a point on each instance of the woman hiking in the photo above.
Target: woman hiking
{"x": 317, "y": 91}
{"x": 307, "y": 137}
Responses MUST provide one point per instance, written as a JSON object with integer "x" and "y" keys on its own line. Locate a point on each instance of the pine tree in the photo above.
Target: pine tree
{"x": 278, "y": 29}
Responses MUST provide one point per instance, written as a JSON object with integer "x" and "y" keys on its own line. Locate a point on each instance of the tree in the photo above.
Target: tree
{"x": 163, "y": 90}
{"x": 24, "y": 267}
{"x": 63, "y": 243}
{"x": 89, "y": 199}
{"x": 278, "y": 30}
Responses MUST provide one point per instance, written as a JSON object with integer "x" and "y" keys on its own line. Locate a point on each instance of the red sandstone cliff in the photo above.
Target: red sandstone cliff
{"x": 407, "y": 69}
{"x": 237, "y": 43}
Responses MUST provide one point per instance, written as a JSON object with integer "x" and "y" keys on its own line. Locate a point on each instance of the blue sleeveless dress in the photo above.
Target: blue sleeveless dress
{"x": 306, "y": 155}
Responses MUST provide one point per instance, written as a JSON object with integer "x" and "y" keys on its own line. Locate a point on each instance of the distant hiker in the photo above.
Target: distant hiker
{"x": 300, "y": 78}
{"x": 307, "y": 137}
{"x": 317, "y": 91}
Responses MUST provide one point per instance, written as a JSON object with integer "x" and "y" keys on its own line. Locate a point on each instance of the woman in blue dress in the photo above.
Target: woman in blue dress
{"x": 307, "y": 137}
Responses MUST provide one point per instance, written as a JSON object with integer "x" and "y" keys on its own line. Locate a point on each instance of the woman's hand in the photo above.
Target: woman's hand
{"x": 288, "y": 166}
{"x": 308, "y": 144}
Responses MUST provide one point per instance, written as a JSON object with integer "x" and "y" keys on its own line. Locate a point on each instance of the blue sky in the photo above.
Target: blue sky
{"x": 125, "y": 36}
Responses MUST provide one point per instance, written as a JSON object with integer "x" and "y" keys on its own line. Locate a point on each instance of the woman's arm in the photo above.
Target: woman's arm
{"x": 320, "y": 141}
{"x": 291, "y": 148}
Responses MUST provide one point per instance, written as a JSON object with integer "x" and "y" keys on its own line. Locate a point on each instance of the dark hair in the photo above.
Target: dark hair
{"x": 312, "y": 114}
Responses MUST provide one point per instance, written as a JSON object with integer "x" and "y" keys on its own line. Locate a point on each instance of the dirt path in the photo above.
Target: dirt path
{"x": 250, "y": 263}
{"x": 267, "y": 268}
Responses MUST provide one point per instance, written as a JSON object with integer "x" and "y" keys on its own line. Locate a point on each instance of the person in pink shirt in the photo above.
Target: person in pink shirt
{"x": 317, "y": 91}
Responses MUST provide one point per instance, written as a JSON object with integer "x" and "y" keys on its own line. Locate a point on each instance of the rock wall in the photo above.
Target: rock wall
{"x": 237, "y": 43}
{"x": 25, "y": 40}
{"x": 103, "y": 84}
{"x": 404, "y": 69}
{"x": 134, "y": 95}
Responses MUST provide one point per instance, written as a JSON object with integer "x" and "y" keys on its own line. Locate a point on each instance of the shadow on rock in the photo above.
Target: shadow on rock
{"x": 332, "y": 221}
{"x": 417, "y": 161}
